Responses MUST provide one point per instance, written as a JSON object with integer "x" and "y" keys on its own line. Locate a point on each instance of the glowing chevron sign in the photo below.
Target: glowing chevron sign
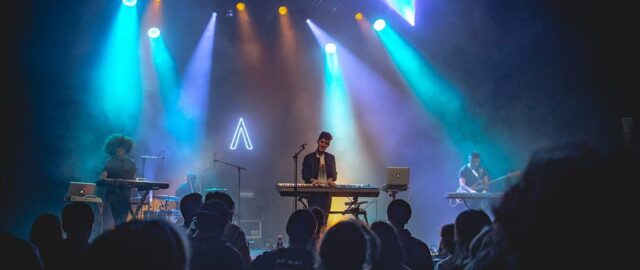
{"x": 241, "y": 131}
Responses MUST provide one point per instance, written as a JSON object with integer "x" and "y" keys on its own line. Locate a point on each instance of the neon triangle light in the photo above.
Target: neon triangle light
{"x": 241, "y": 131}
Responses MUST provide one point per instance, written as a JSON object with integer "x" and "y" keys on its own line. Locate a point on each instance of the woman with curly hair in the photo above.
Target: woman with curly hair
{"x": 119, "y": 166}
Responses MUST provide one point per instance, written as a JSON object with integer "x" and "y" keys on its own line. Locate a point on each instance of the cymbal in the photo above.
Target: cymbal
{"x": 166, "y": 198}
{"x": 214, "y": 189}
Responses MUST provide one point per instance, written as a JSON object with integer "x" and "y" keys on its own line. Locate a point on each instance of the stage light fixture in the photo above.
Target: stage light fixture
{"x": 283, "y": 10}
{"x": 330, "y": 48}
{"x": 153, "y": 32}
{"x": 129, "y": 3}
{"x": 359, "y": 16}
{"x": 240, "y": 6}
{"x": 379, "y": 24}
{"x": 229, "y": 12}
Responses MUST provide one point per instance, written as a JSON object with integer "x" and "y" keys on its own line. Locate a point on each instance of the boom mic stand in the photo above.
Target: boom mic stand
{"x": 160, "y": 156}
{"x": 239, "y": 168}
{"x": 295, "y": 176}
{"x": 144, "y": 159}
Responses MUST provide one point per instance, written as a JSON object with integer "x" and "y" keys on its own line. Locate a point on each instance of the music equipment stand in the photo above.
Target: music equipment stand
{"x": 143, "y": 198}
{"x": 353, "y": 208}
{"x": 392, "y": 190}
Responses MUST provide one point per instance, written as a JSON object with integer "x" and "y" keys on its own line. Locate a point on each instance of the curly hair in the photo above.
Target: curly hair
{"x": 116, "y": 141}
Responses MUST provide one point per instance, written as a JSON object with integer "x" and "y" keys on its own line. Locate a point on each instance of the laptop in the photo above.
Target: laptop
{"x": 397, "y": 176}
{"x": 78, "y": 189}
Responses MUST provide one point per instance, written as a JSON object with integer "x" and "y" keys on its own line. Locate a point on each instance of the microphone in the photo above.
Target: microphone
{"x": 295, "y": 155}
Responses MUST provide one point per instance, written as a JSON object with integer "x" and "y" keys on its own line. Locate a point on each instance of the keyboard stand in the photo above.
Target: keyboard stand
{"x": 143, "y": 198}
{"x": 353, "y": 208}
{"x": 392, "y": 190}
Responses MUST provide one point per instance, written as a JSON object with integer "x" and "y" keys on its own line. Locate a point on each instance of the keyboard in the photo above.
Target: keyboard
{"x": 468, "y": 195}
{"x": 139, "y": 184}
{"x": 340, "y": 190}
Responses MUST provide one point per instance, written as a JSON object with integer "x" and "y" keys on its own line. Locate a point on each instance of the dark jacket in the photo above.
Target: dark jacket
{"x": 311, "y": 166}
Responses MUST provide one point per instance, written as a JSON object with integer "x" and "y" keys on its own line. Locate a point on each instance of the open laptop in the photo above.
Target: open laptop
{"x": 397, "y": 176}
{"x": 78, "y": 189}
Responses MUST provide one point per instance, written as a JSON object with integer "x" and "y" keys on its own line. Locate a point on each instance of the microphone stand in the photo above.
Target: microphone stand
{"x": 239, "y": 168}
{"x": 295, "y": 178}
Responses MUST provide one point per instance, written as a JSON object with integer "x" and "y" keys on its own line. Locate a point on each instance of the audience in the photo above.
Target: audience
{"x": 467, "y": 226}
{"x": 233, "y": 233}
{"x": 344, "y": 247}
{"x": 446, "y": 247}
{"x": 391, "y": 255}
{"x": 210, "y": 250}
{"x": 18, "y": 254}
{"x": 301, "y": 229}
{"x": 417, "y": 253}
{"x": 77, "y": 222}
{"x": 139, "y": 245}
{"x": 373, "y": 243}
{"x": 46, "y": 235}
{"x": 320, "y": 226}
{"x": 549, "y": 219}
{"x": 189, "y": 205}
{"x": 487, "y": 250}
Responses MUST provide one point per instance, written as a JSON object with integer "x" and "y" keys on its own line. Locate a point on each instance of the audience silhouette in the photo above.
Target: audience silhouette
{"x": 190, "y": 204}
{"x": 548, "y": 205}
{"x": 233, "y": 233}
{"x": 301, "y": 229}
{"x": 344, "y": 247}
{"x": 77, "y": 222}
{"x": 46, "y": 235}
{"x": 210, "y": 250}
{"x": 320, "y": 226}
{"x": 136, "y": 245}
{"x": 391, "y": 255}
{"x": 417, "y": 253}
{"x": 18, "y": 253}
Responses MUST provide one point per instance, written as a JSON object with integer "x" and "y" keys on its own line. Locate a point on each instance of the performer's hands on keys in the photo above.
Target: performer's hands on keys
{"x": 332, "y": 183}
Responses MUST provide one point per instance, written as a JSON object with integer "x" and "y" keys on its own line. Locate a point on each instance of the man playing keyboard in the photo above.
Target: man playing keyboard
{"x": 319, "y": 167}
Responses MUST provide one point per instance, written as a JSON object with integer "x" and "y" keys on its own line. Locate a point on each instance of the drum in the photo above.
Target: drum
{"x": 171, "y": 216}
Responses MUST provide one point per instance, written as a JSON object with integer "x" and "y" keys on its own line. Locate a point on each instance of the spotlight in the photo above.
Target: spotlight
{"x": 359, "y": 16}
{"x": 153, "y": 32}
{"x": 308, "y": 20}
{"x": 379, "y": 24}
{"x": 229, "y": 13}
{"x": 283, "y": 10}
{"x": 330, "y": 48}
{"x": 240, "y": 6}
{"x": 129, "y": 3}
